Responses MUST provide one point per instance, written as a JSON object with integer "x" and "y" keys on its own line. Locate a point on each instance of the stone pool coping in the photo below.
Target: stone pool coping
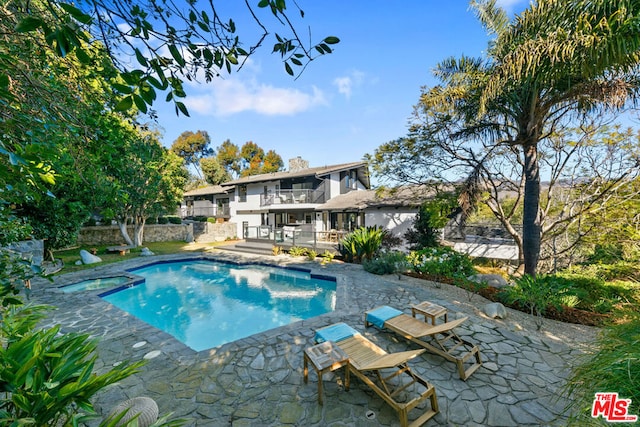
{"x": 258, "y": 380}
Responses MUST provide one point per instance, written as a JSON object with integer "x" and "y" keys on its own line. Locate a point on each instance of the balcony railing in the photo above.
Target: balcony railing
{"x": 295, "y": 236}
{"x": 291, "y": 197}
{"x": 208, "y": 211}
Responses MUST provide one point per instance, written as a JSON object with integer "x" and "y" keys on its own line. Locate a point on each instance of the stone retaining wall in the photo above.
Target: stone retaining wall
{"x": 110, "y": 234}
{"x": 218, "y": 232}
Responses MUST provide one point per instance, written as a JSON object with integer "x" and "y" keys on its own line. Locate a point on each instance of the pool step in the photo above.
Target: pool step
{"x": 261, "y": 248}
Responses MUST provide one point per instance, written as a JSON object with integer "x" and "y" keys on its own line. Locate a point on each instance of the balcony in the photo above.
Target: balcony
{"x": 301, "y": 236}
{"x": 292, "y": 197}
{"x": 208, "y": 211}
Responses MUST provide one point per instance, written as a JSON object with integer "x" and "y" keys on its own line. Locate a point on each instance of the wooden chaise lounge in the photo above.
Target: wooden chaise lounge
{"x": 438, "y": 339}
{"x": 367, "y": 361}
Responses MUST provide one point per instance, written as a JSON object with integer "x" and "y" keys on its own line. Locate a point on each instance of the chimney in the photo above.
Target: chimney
{"x": 298, "y": 164}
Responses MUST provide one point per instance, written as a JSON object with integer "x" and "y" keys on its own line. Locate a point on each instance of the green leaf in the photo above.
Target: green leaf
{"x": 141, "y": 59}
{"x": 76, "y": 13}
{"x": 296, "y": 61}
{"x": 124, "y": 89}
{"x": 231, "y": 58}
{"x": 331, "y": 40}
{"x": 142, "y": 106}
{"x": 28, "y": 24}
{"x": 83, "y": 57}
{"x": 288, "y": 68}
{"x": 182, "y": 108}
{"x": 263, "y": 3}
{"x": 125, "y": 103}
{"x": 156, "y": 83}
{"x": 176, "y": 55}
{"x": 148, "y": 94}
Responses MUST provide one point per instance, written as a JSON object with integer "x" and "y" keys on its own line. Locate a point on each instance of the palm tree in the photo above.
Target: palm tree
{"x": 557, "y": 61}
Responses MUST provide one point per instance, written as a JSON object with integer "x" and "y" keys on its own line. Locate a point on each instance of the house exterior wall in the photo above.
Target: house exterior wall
{"x": 334, "y": 185}
{"x": 397, "y": 221}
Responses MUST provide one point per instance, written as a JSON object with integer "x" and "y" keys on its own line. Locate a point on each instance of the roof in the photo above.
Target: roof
{"x": 209, "y": 189}
{"x": 314, "y": 171}
{"x": 406, "y": 196}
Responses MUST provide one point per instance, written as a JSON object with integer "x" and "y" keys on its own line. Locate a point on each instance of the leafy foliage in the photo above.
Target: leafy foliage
{"x": 192, "y": 147}
{"x": 614, "y": 365}
{"x": 423, "y": 233}
{"x": 311, "y": 254}
{"x": 488, "y": 116}
{"x": 214, "y": 173}
{"x": 47, "y": 378}
{"x": 387, "y": 263}
{"x": 327, "y": 257}
{"x": 362, "y": 244}
{"x": 441, "y": 262}
{"x": 169, "y": 42}
{"x": 250, "y": 159}
{"x": 297, "y": 251}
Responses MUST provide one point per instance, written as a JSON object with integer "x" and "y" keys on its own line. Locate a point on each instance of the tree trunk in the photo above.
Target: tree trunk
{"x": 138, "y": 233}
{"x": 122, "y": 224}
{"x": 531, "y": 229}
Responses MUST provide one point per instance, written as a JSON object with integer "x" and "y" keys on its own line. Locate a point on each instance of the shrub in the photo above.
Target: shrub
{"x": 297, "y": 251}
{"x": 151, "y": 220}
{"x": 212, "y": 220}
{"x": 606, "y": 254}
{"x": 614, "y": 367}
{"x": 174, "y": 219}
{"x": 387, "y": 263}
{"x": 163, "y": 220}
{"x": 276, "y": 250}
{"x": 362, "y": 243}
{"x": 200, "y": 218}
{"x": 533, "y": 294}
{"x": 422, "y": 234}
{"x": 441, "y": 262}
{"x": 49, "y": 374}
{"x": 311, "y": 254}
{"x": 327, "y": 256}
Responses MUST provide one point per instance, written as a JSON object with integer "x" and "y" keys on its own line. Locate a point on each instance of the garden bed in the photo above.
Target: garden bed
{"x": 567, "y": 314}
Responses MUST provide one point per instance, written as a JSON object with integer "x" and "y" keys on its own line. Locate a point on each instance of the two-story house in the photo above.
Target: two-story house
{"x": 289, "y": 200}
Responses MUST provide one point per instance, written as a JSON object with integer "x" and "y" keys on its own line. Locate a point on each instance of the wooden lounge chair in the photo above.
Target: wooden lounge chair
{"x": 438, "y": 339}
{"x": 367, "y": 361}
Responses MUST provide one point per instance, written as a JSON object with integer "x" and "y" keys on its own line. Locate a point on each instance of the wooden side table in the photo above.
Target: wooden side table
{"x": 430, "y": 311}
{"x": 325, "y": 357}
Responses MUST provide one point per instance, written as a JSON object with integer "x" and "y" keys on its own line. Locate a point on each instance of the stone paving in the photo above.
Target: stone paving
{"x": 257, "y": 381}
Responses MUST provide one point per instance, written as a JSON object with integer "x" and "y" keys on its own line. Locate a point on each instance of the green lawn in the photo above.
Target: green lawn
{"x": 70, "y": 256}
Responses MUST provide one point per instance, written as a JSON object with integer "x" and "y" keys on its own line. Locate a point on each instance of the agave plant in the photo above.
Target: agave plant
{"x": 362, "y": 243}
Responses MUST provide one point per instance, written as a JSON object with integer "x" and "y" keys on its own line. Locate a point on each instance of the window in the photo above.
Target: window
{"x": 242, "y": 193}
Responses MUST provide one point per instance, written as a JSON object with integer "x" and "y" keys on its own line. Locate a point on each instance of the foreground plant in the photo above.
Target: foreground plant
{"x": 441, "y": 262}
{"x": 362, "y": 244}
{"x": 613, "y": 367}
{"x": 47, "y": 377}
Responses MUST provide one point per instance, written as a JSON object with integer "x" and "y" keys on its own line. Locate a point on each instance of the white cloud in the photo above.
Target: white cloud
{"x": 346, "y": 84}
{"x": 225, "y": 97}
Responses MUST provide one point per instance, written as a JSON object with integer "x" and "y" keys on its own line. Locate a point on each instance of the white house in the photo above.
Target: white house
{"x": 294, "y": 198}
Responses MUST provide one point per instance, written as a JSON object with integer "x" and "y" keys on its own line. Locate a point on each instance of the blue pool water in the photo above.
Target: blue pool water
{"x": 205, "y": 304}
{"x": 94, "y": 284}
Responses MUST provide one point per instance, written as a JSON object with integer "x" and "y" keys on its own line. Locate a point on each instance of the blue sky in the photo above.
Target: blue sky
{"x": 345, "y": 104}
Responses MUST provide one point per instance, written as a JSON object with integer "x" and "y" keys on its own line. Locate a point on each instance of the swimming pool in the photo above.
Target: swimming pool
{"x": 205, "y": 303}
{"x": 95, "y": 284}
